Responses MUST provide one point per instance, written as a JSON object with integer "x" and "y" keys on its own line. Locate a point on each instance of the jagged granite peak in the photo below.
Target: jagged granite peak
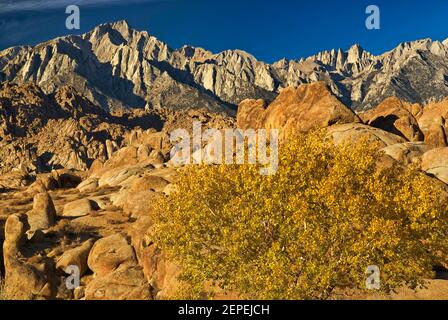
{"x": 120, "y": 35}
{"x": 122, "y": 26}
{"x": 116, "y": 66}
{"x": 194, "y": 53}
{"x": 351, "y": 61}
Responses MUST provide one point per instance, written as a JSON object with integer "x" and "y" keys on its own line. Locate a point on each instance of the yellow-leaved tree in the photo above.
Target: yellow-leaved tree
{"x": 317, "y": 224}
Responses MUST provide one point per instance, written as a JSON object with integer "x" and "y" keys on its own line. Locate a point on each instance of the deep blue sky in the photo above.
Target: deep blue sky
{"x": 269, "y": 29}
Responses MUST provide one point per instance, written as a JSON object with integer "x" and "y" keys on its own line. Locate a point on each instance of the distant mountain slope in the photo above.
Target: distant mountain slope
{"x": 40, "y": 132}
{"x": 116, "y": 66}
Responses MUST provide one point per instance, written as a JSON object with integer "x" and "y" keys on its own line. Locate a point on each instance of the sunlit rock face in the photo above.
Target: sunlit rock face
{"x": 116, "y": 66}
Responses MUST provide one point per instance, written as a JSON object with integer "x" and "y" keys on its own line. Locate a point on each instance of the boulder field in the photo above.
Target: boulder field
{"x": 95, "y": 216}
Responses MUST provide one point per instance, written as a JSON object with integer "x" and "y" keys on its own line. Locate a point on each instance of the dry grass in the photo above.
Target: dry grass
{"x": 21, "y": 201}
{"x": 11, "y": 293}
{"x": 2, "y": 291}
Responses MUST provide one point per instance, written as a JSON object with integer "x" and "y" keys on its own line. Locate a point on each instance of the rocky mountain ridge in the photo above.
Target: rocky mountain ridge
{"x": 115, "y": 66}
{"x": 40, "y": 132}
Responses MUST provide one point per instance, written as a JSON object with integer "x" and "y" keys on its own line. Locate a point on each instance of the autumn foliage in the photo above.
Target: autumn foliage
{"x": 316, "y": 225}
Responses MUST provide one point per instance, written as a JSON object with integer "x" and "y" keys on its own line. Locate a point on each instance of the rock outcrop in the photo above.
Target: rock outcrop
{"x": 408, "y": 152}
{"x": 78, "y": 208}
{"x": 295, "y": 110}
{"x": 43, "y": 214}
{"x": 109, "y": 253}
{"x": 24, "y": 279}
{"x": 396, "y": 116}
{"x": 28, "y": 138}
{"x": 76, "y": 257}
{"x": 435, "y": 163}
{"x": 434, "y": 123}
{"x": 353, "y": 132}
{"x": 85, "y": 133}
